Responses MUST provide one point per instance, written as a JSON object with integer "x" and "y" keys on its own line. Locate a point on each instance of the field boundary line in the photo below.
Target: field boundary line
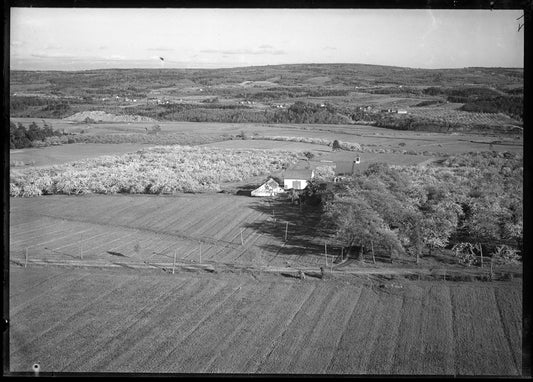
{"x": 62, "y": 273}
{"x": 54, "y": 239}
{"x": 29, "y": 302}
{"x": 145, "y": 311}
{"x": 199, "y": 323}
{"x": 506, "y": 332}
{"x": 207, "y": 240}
{"x": 271, "y": 307}
{"x": 69, "y": 317}
{"x": 235, "y": 331}
{"x": 79, "y": 241}
{"x": 16, "y": 235}
{"x": 274, "y": 343}
{"x": 332, "y": 299}
{"x": 149, "y": 330}
{"x": 347, "y": 319}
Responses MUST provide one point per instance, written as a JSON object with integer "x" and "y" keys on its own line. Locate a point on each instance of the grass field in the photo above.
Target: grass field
{"x": 81, "y": 320}
{"x": 54, "y": 155}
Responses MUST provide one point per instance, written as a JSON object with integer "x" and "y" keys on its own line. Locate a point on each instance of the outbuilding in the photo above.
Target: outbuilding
{"x": 269, "y": 188}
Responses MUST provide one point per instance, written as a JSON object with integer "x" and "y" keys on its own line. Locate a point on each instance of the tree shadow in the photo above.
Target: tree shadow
{"x": 298, "y": 224}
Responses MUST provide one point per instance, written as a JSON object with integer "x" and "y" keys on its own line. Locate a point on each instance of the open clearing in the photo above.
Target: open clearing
{"x": 81, "y": 320}
{"x": 54, "y": 155}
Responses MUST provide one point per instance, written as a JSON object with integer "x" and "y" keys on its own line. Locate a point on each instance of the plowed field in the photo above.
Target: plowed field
{"x": 89, "y": 320}
{"x": 102, "y": 229}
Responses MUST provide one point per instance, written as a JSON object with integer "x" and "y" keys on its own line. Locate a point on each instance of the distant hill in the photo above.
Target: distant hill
{"x": 346, "y": 74}
{"x": 299, "y": 93}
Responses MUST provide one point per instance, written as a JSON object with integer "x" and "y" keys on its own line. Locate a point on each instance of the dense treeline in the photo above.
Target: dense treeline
{"x": 39, "y": 107}
{"x": 299, "y": 112}
{"x": 511, "y": 106}
{"x": 482, "y": 100}
{"x": 21, "y": 137}
{"x": 474, "y": 198}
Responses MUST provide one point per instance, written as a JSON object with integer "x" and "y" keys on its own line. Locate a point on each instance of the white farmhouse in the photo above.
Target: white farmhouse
{"x": 297, "y": 179}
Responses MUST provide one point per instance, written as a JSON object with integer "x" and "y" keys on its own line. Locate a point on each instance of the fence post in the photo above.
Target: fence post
{"x": 26, "y": 263}
{"x": 481, "y": 252}
{"x": 174, "y": 264}
{"x": 286, "y": 229}
{"x": 342, "y": 253}
{"x": 200, "y": 252}
{"x": 326, "y": 253}
{"x": 373, "y": 256}
{"x": 81, "y": 246}
{"x": 242, "y": 241}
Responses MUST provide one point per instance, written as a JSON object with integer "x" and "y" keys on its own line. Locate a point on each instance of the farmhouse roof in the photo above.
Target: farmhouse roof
{"x": 344, "y": 167}
{"x": 298, "y": 174}
{"x": 269, "y": 188}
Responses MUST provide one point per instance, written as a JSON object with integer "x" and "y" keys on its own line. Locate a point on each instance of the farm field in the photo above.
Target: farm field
{"x": 95, "y": 320}
{"x": 137, "y": 228}
{"x": 54, "y": 155}
{"x": 362, "y": 134}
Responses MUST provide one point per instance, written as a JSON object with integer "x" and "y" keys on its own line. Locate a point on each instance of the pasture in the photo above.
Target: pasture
{"x": 55, "y": 155}
{"x": 89, "y": 320}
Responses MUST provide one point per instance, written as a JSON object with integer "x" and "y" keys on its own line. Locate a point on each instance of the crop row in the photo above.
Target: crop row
{"x": 100, "y": 321}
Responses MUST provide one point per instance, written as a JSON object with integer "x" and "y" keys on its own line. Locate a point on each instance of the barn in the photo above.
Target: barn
{"x": 297, "y": 179}
{"x": 269, "y": 188}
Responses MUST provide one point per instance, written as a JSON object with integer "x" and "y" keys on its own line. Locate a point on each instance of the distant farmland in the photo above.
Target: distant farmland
{"x": 75, "y": 320}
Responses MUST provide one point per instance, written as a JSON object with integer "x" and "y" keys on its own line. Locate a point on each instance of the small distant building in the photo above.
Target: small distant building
{"x": 297, "y": 179}
{"x": 401, "y": 111}
{"x": 347, "y": 168}
{"x": 269, "y": 188}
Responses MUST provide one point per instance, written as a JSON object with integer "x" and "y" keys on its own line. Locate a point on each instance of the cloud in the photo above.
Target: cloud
{"x": 52, "y": 55}
{"x": 265, "y": 51}
{"x": 161, "y": 49}
{"x": 52, "y": 46}
{"x": 329, "y": 48}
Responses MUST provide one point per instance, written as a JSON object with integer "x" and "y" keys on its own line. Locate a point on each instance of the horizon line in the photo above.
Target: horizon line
{"x": 265, "y": 65}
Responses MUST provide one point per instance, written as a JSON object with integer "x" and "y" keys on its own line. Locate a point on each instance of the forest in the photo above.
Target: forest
{"x": 34, "y": 136}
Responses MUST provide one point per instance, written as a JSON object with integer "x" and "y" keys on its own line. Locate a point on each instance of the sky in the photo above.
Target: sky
{"x": 92, "y": 38}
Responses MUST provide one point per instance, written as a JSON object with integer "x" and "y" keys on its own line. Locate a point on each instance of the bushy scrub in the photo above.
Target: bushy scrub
{"x": 156, "y": 170}
{"x": 318, "y": 141}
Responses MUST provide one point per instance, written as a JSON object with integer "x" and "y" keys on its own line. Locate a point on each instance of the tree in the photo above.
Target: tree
{"x": 336, "y": 145}
{"x": 354, "y": 222}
